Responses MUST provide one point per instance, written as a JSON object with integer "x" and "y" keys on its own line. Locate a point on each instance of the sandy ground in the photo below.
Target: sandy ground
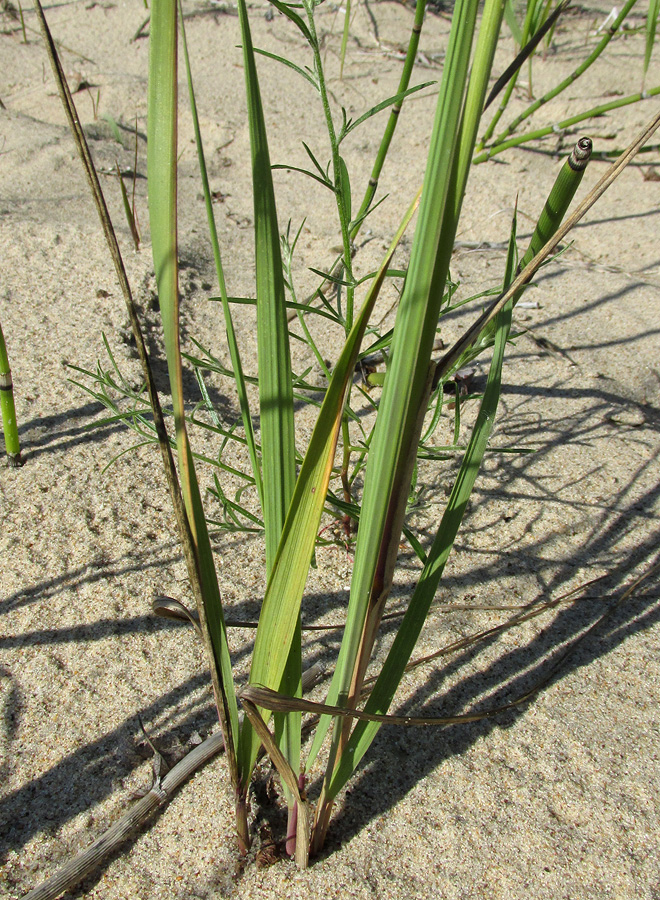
{"x": 557, "y": 799}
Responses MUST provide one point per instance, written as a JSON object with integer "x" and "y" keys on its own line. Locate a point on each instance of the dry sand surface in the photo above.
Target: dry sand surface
{"x": 555, "y": 799}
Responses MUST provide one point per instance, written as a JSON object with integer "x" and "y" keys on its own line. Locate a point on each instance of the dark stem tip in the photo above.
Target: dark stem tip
{"x": 580, "y": 154}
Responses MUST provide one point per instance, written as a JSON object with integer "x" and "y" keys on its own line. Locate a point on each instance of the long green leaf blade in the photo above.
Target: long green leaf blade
{"x": 281, "y": 606}
{"x": 413, "y": 621}
{"x": 278, "y": 450}
{"x": 275, "y": 380}
{"x": 407, "y": 374}
{"x": 162, "y": 184}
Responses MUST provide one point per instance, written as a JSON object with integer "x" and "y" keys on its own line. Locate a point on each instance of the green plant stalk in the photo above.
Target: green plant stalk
{"x": 580, "y": 70}
{"x": 388, "y": 468}
{"x": 565, "y": 123}
{"x": 392, "y": 121}
{"x": 552, "y": 215}
{"x": 339, "y": 182}
{"x": 162, "y": 186}
{"x": 8, "y": 408}
{"x": 652, "y": 18}
{"x": 526, "y": 31}
{"x": 344, "y": 38}
{"x": 278, "y": 452}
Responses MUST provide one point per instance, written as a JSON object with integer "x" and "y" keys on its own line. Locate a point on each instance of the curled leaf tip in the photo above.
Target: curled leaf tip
{"x": 580, "y": 154}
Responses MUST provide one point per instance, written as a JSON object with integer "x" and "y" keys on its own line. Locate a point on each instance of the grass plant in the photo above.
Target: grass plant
{"x": 296, "y": 485}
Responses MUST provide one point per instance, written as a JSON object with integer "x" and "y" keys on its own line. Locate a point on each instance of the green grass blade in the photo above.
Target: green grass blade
{"x": 275, "y": 380}
{"x": 407, "y": 375}
{"x": 420, "y": 603}
{"x": 162, "y": 183}
{"x": 278, "y": 451}
{"x": 281, "y": 606}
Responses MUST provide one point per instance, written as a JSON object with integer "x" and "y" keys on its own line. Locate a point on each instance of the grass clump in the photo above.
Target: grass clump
{"x": 360, "y": 468}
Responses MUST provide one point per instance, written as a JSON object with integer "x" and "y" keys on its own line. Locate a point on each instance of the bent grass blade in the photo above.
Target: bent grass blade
{"x": 406, "y": 385}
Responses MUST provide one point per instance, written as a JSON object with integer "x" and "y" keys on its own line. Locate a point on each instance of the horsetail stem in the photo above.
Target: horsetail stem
{"x": 8, "y": 408}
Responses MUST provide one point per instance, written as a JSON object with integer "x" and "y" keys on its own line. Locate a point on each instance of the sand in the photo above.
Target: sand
{"x": 555, "y": 799}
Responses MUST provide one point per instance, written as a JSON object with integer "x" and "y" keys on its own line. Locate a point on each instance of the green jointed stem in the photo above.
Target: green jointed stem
{"x": 527, "y": 26}
{"x": 8, "y": 409}
{"x": 553, "y": 213}
{"x": 566, "y": 123}
{"x": 390, "y": 128}
{"x": 559, "y": 199}
{"x": 593, "y": 56}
